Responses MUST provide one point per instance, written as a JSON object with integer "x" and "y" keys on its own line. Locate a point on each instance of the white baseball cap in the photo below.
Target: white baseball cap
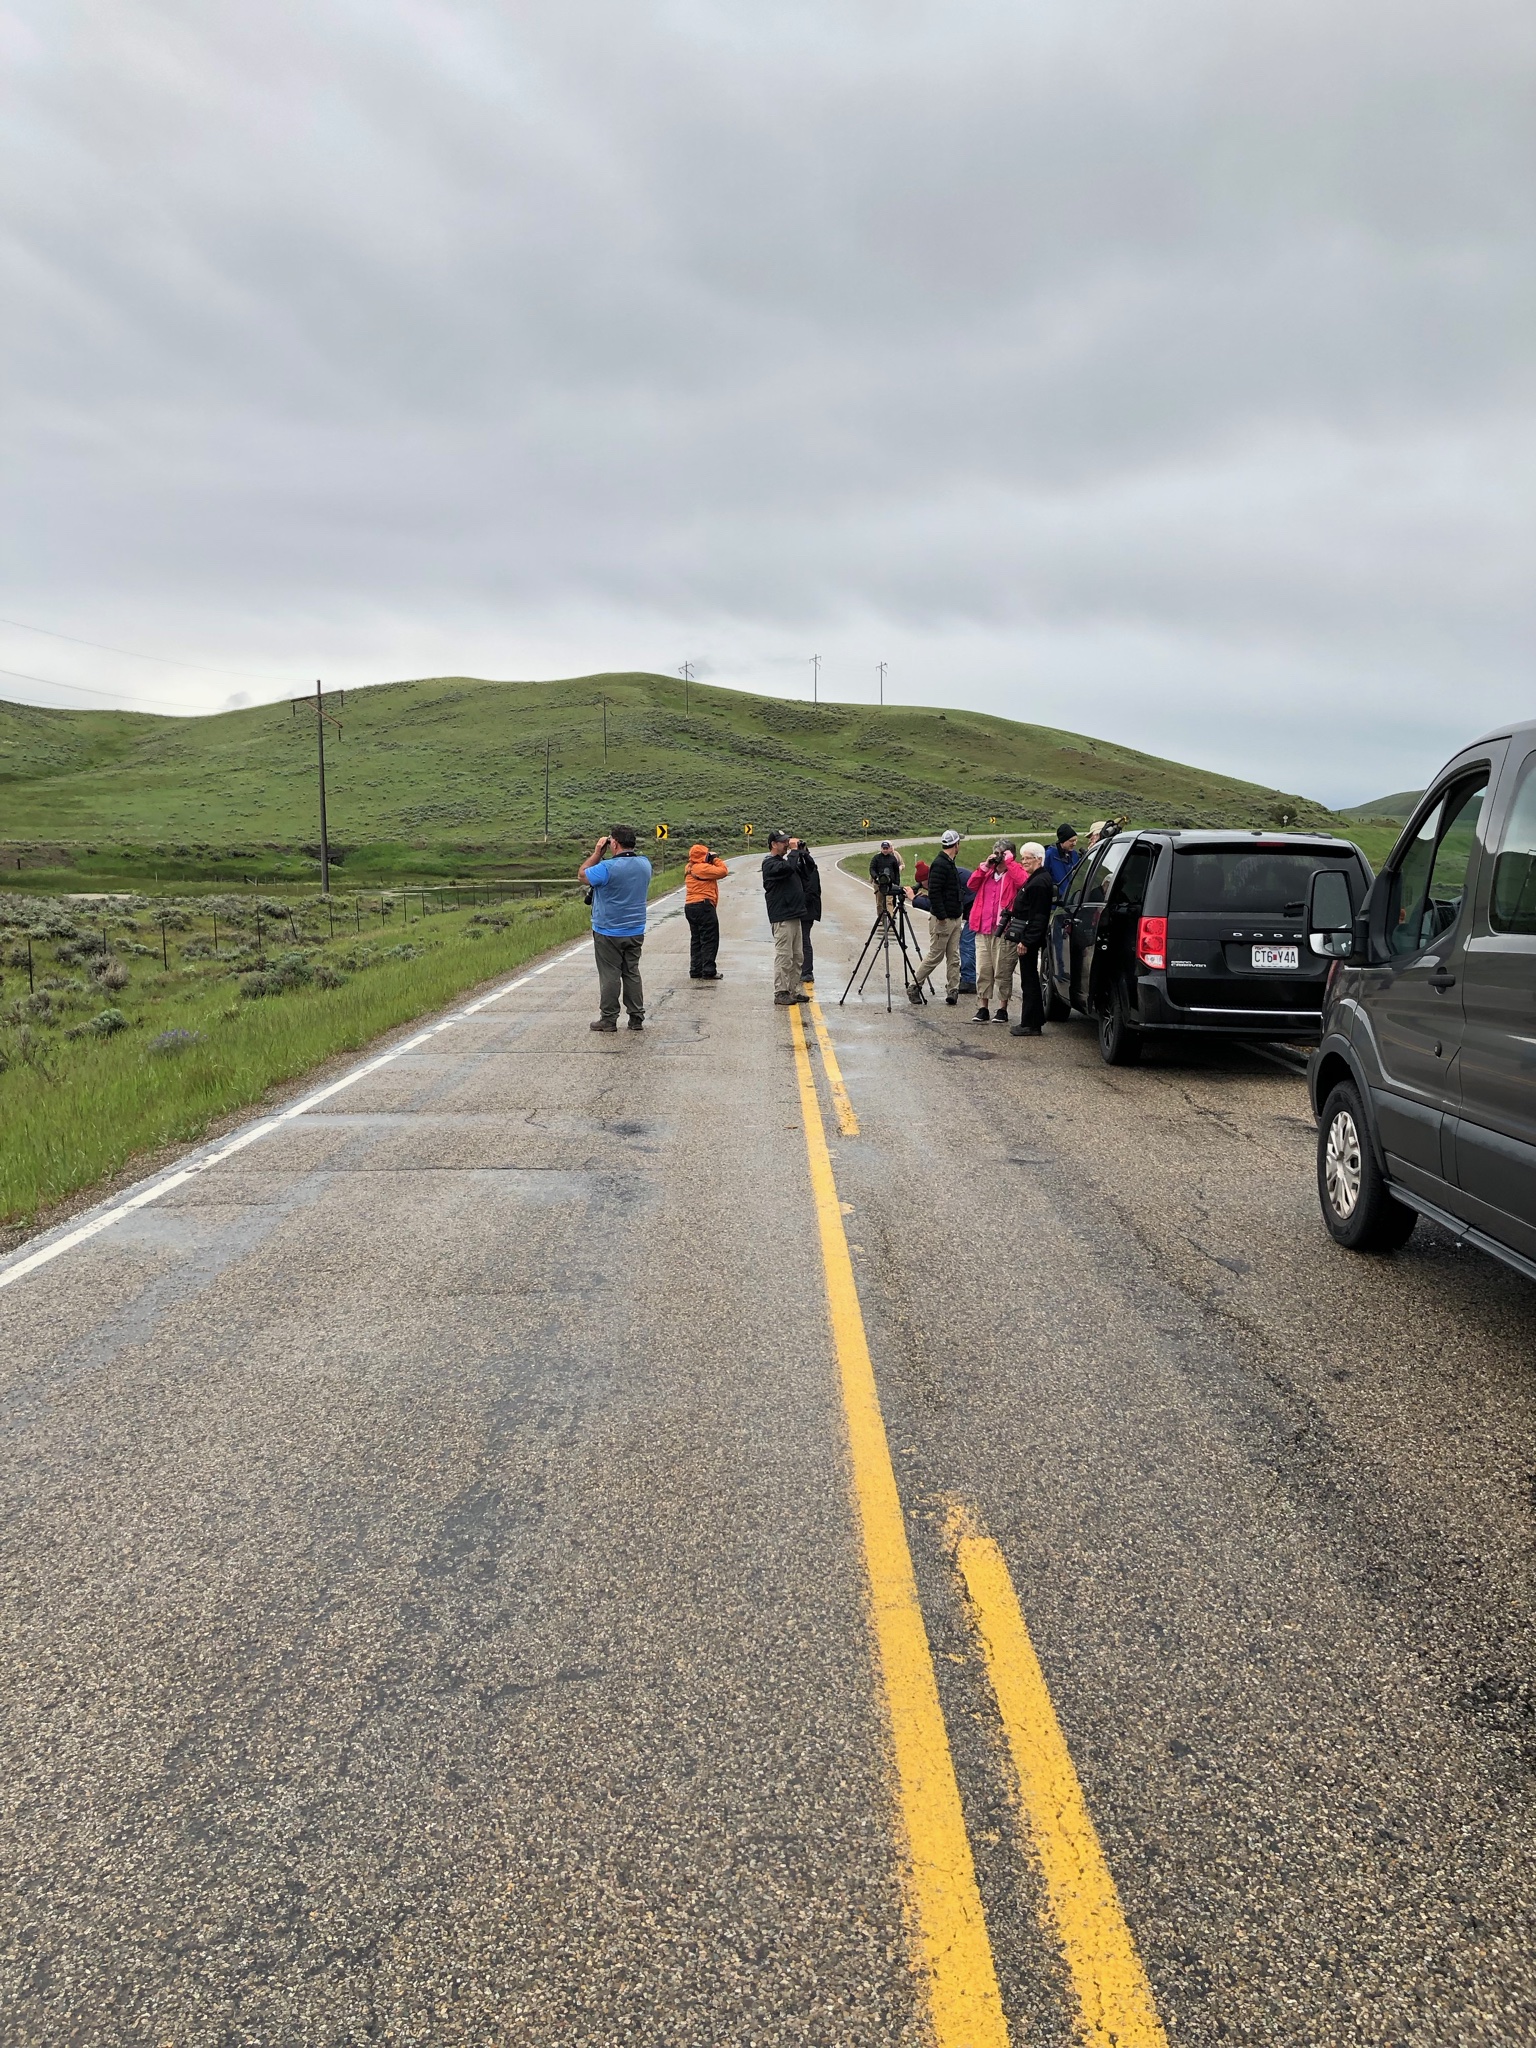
{"x": 950, "y": 839}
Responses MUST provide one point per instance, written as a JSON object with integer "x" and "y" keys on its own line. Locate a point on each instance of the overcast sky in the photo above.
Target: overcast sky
{"x": 1161, "y": 371}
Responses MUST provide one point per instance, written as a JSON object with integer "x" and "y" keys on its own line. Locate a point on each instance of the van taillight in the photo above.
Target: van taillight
{"x": 1152, "y": 941}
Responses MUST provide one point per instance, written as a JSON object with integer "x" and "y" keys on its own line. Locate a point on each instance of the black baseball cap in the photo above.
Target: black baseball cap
{"x": 777, "y": 837}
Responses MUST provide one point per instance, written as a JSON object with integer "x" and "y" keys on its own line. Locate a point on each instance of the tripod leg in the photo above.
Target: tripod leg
{"x": 861, "y": 963}
{"x": 877, "y": 943}
{"x": 908, "y": 970}
{"x": 868, "y": 949}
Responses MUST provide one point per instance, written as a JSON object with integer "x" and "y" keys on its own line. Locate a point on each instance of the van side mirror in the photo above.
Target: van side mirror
{"x": 1330, "y": 914}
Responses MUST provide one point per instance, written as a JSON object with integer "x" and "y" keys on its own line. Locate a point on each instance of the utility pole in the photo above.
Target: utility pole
{"x": 815, "y": 678}
{"x": 547, "y": 745}
{"x": 604, "y": 702}
{"x": 686, "y": 672}
{"x": 321, "y": 718}
{"x": 881, "y": 666}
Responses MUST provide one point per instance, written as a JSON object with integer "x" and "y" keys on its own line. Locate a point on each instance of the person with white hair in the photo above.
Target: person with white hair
{"x": 1029, "y": 925}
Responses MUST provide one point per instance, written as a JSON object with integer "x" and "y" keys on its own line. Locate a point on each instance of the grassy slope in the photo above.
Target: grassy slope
{"x": 460, "y": 761}
{"x": 37, "y": 743}
{"x": 1400, "y": 806}
{"x": 73, "y": 1110}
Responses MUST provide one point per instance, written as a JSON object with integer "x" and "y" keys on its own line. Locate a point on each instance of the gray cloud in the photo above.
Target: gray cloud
{"x": 1163, "y": 373}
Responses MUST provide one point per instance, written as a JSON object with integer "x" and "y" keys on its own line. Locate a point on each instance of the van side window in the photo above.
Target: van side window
{"x": 1104, "y": 873}
{"x": 1078, "y": 883}
{"x": 1132, "y": 884}
{"x": 1431, "y": 878}
{"x": 1513, "y": 905}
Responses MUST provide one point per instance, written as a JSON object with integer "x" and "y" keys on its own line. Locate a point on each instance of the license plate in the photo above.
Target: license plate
{"x": 1277, "y": 956}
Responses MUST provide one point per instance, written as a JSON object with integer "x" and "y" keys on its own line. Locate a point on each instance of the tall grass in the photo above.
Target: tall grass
{"x": 68, "y": 1122}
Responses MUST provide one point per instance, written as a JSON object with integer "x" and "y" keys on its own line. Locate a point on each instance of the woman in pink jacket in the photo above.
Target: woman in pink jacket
{"x": 993, "y": 887}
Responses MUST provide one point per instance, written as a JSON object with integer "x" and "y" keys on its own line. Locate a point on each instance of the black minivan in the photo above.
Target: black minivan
{"x": 1167, "y": 931}
{"x": 1424, "y": 1082}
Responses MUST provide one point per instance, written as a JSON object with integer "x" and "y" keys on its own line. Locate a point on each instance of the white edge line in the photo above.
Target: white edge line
{"x": 29, "y": 1262}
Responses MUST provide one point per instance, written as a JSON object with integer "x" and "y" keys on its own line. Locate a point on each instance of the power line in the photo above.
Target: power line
{"x": 164, "y": 660}
{"x": 90, "y": 690}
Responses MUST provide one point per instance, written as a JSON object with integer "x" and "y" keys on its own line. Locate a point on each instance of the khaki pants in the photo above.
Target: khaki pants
{"x": 943, "y": 947}
{"x": 788, "y": 956}
{"x": 995, "y": 962}
{"x": 618, "y": 969}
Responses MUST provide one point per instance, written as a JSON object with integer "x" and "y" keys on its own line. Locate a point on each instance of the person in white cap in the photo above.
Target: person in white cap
{"x": 946, "y": 913}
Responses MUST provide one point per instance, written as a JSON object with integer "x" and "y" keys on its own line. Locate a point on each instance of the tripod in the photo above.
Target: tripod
{"x": 891, "y": 923}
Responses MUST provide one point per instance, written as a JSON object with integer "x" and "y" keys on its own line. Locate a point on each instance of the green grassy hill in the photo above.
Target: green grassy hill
{"x": 1399, "y": 806}
{"x": 454, "y": 768}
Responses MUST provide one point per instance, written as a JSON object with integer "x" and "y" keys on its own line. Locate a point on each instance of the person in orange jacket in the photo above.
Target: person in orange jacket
{"x": 701, "y": 893}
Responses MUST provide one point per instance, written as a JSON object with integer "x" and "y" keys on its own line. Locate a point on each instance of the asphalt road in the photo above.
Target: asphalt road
{"x": 435, "y": 1608}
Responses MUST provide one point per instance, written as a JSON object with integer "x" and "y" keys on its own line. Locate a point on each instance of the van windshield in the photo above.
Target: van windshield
{"x": 1253, "y": 880}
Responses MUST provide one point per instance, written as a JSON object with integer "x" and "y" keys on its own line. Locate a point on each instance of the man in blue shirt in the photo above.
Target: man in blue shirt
{"x": 1062, "y": 858}
{"x": 620, "y": 881}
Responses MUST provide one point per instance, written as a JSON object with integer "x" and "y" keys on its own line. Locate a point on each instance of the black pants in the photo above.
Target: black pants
{"x": 1031, "y": 1009}
{"x": 807, "y": 961}
{"x": 703, "y": 940}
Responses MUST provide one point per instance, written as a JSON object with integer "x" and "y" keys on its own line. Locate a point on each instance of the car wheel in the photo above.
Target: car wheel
{"x": 1120, "y": 1041}
{"x": 1361, "y": 1212}
{"x": 1056, "y": 1011}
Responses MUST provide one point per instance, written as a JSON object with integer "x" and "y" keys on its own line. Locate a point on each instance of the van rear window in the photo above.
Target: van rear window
{"x": 1252, "y": 881}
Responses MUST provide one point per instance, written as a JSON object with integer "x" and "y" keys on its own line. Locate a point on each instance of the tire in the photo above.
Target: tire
{"x": 1359, "y": 1208}
{"x": 1056, "y": 1011}
{"x": 1120, "y": 1041}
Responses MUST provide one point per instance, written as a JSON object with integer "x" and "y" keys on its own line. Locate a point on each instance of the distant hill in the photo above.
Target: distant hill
{"x": 1399, "y": 807}
{"x": 459, "y": 762}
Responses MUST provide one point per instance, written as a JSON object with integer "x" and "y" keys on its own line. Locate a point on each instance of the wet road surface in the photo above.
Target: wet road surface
{"x": 436, "y": 1608}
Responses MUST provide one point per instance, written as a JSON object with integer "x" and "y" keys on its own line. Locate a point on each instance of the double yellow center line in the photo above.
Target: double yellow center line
{"x": 1115, "y": 2005}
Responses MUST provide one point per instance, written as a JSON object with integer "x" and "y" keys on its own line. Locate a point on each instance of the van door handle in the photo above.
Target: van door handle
{"x": 1442, "y": 981}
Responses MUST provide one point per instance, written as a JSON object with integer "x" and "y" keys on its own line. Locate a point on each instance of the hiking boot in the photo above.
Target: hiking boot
{"x": 967, "y": 988}
{"x": 784, "y": 1000}
{"x": 951, "y": 1000}
{"x": 802, "y": 997}
{"x": 981, "y": 1015}
{"x": 914, "y": 995}
{"x": 602, "y": 1024}
{"x": 637, "y": 1023}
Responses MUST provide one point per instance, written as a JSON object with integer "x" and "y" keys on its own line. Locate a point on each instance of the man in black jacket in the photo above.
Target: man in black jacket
{"x": 946, "y": 911}
{"x": 784, "y": 892}
{"x": 810, "y": 883}
{"x": 1029, "y": 924}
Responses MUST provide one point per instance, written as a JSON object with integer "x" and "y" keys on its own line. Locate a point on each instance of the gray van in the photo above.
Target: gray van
{"x": 1424, "y": 1082}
